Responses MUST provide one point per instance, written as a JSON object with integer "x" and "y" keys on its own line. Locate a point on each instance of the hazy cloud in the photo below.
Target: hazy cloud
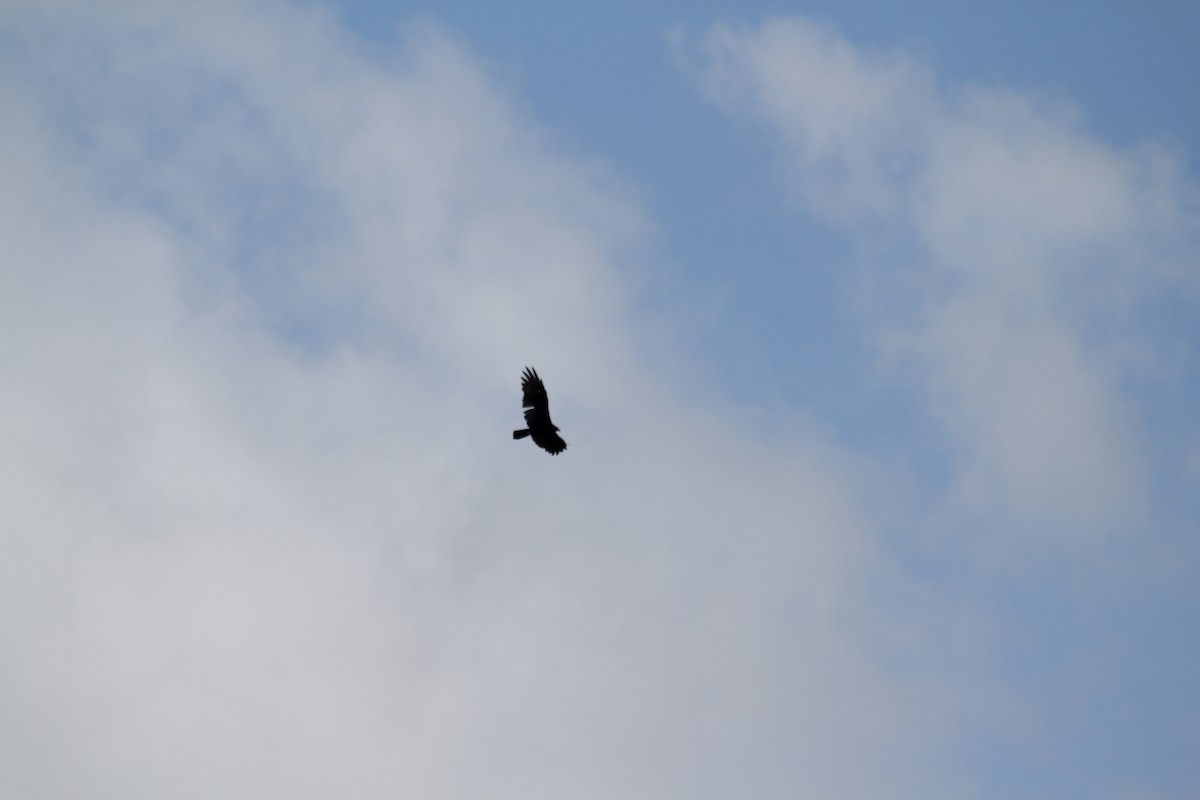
{"x": 264, "y": 317}
{"x": 266, "y": 299}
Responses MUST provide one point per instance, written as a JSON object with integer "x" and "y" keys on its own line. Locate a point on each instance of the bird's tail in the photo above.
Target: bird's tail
{"x": 521, "y": 434}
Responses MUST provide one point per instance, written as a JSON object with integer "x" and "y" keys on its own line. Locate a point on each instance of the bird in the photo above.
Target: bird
{"x": 537, "y": 415}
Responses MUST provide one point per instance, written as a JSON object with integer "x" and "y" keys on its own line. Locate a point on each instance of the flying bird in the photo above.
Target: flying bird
{"x": 537, "y": 415}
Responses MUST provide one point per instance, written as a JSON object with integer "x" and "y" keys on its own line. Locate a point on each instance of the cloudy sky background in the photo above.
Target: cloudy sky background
{"x": 873, "y": 332}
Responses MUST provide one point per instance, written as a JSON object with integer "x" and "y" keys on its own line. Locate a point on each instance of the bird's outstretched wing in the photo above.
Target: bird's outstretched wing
{"x": 534, "y": 399}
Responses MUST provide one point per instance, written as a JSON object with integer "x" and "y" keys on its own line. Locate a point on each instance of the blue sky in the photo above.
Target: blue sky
{"x": 603, "y": 80}
{"x": 871, "y": 327}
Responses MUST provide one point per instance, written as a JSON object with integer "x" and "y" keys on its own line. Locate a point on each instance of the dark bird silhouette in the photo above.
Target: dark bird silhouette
{"x": 537, "y": 415}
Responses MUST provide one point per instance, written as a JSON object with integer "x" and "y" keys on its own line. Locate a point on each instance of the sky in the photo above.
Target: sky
{"x": 872, "y": 329}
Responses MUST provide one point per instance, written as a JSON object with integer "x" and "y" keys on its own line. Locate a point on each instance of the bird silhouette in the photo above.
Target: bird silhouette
{"x": 537, "y": 415}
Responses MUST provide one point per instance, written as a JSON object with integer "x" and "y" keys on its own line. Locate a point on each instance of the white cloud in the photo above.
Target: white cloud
{"x": 265, "y": 534}
{"x": 265, "y": 302}
{"x": 1007, "y": 251}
